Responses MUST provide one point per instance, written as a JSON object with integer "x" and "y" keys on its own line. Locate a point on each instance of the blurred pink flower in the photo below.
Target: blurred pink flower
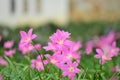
{"x": 37, "y": 46}
{"x": 26, "y": 38}
{"x": 1, "y": 77}
{"x": 103, "y": 55}
{"x": 10, "y": 52}
{"x": 26, "y": 48}
{"x": 116, "y": 68}
{"x": 107, "y": 52}
{"x": 9, "y": 44}
{"x": 37, "y": 63}
{"x": 3, "y": 62}
{"x": 105, "y": 40}
{"x": 0, "y": 38}
{"x": 114, "y": 50}
{"x": 89, "y": 47}
{"x": 25, "y": 44}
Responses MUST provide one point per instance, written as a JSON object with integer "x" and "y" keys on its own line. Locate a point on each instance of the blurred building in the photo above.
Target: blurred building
{"x": 36, "y": 12}
{"x": 100, "y": 10}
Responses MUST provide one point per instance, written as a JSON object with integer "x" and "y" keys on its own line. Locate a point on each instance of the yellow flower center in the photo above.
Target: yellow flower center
{"x": 105, "y": 56}
{"x": 60, "y": 42}
{"x": 71, "y": 69}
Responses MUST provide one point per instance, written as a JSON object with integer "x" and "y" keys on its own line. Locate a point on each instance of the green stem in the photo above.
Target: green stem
{"x": 40, "y": 56}
{"x": 101, "y": 65}
{"x": 39, "y": 75}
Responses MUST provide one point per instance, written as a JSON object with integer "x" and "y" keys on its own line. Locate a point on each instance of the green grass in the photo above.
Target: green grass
{"x": 19, "y": 65}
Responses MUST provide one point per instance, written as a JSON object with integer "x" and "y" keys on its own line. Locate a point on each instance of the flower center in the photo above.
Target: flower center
{"x": 27, "y": 39}
{"x": 105, "y": 56}
{"x": 69, "y": 56}
{"x": 53, "y": 61}
{"x": 71, "y": 69}
{"x": 60, "y": 42}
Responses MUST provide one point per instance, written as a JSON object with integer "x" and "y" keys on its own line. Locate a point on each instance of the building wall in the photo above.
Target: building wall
{"x": 27, "y": 11}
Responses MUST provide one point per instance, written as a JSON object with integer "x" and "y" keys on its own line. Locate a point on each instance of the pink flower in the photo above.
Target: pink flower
{"x": 0, "y": 38}
{"x": 70, "y": 70}
{"x": 3, "y": 62}
{"x": 26, "y": 38}
{"x": 37, "y": 63}
{"x": 103, "y": 55}
{"x": 107, "y": 52}
{"x": 10, "y": 52}
{"x": 25, "y": 44}
{"x": 114, "y": 50}
{"x": 9, "y": 44}
{"x": 1, "y": 77}
{"x": 59, "y": 41}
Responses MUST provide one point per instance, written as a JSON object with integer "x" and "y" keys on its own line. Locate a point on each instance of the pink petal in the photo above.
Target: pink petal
{"x": 30, "y": 32}
{"x": 34, "y": 36}
{"x": 23, "y": 34}
{"x": 99, "y": 51}
{"x": 114, "y": 44}
{"x": 97, "y": 56}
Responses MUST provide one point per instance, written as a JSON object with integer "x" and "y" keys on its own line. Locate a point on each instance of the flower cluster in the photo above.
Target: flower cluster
{"x": 99, "y": 42}
{"x": 107, "y": 52}
{"x": 3, "y": 62}
{"x": 26, "y": 45}
{"x": 106, "y": 47}
{"x": 66, "y": 55}
{"x": 8, "y": 46}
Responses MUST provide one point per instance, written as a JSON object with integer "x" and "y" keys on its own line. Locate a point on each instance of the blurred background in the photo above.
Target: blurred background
{"x": 83, "y": 18}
